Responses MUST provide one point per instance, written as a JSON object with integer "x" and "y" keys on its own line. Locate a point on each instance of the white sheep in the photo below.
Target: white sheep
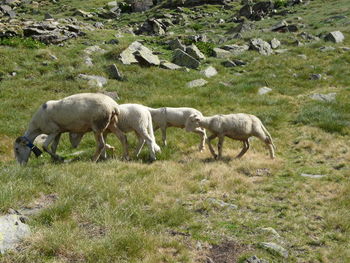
{"x": 132, "y": 117}
{"x": 175, "y": 117}
{"x": 78, "y": 113}
{"x": 238, "y": 126}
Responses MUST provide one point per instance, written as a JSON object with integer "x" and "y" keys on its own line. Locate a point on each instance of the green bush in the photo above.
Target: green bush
{"x": 280, "y": 3}
{"x": 206, "y": 48}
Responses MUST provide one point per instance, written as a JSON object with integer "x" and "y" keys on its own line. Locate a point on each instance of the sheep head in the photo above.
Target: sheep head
{"x": 192, "y": 122}
{"x": 21, "y": 150}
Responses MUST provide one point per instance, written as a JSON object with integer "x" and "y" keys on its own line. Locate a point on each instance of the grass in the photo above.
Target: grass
{"x": 115, "y": 211}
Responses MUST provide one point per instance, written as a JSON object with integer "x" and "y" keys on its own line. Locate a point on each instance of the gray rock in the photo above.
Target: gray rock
{"x": 335, "y": 36}
{"x": 94, "y": 49}
{"x": 255, "y": 259}
{"x": 222, "y": 203}
{"x": 221, "y": 53}
{"x": 82, "y": 13}
{"x": 88, "y": 61}
{"x": 181, "y": 58}
{"x": 209, "y": 72}
{"x": 12, "y": 231}
{"x": 302, "y": 56}
{"x": 275, "y": 249}
{"x": 264, "y": 90}
{"x": 137, "y": 53}
{"x": 279, "y": 26}
{"x": 312, "y": 175}
{"x": 330, "y": 97}
{"x": 195, "y": 52}
{"x": 176, "y": 44}
{"x": 115, "y": 73}
{"x": 236, "y": 49}
{"x": 197, "y": 83}
{"x": 315, "y": 76}
{"x": 112, "y": 4}
{"x": 169, "y": 65}
{"x": 140, "y": 6}
{"x": 242, "y": 28}
{"x": 271, "y": 230}
{"x": 262, "y": 46}
{"x": 99, "y": 25}
{"x": 93, "y": 80}
{"x": 275, "y": 43}
{"x": 326, "y": 49}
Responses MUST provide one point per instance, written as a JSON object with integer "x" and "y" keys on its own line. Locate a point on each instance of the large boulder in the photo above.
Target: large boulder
{"x": 260, "y": 45}
{"x": 181, "y": 58}
{"x": 335, "y": 36}
{"x": 138, "y": 53}
{"x": 195, "y": 52}
{"x": 12, "y": 231}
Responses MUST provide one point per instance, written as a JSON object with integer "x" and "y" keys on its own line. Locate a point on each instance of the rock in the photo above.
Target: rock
{"x": 209, "y": 72}
{"x": 140, "y": 6}
{"x": 262, "y": 46}
{"x": 12, "y": 231}
{"x": 113, "y": 42}
{"x": 309, "y": 37}
{"x": 222, "y": 203}
{"x": 94, "y": 49}
{"x": 221, "y": 53}
{"x": 152, "y": 27}
{"x": 279, "y": 26}
{"x": 181, "y": 58}
{"x": 93, "y": 80}
{"x": 88, "y": 61}
{"x": 7, "y": 10}
{"x": 48, "y": 16}
{"x": 197, "y": 83}
{"x": 110, "y": 14}
{"x": 312, "y": 175}
{"x": 176, "y": 43}
{"x": 335, "y": 36}
{"x": 264, "y": 90}
{"x": 99, "y": 25}
{"x": 115, "y": 73}
{"x": 242, "y": 28}
{"x": 236, "y": 49}
{"x": 315, "y": 76}
{"x": 275, "y": 249}
{"x": 195, "y": 52}
{"x": 326, "y": 49}
{"x": 271, "y": 231}
{"x": 137, "y": 53}
{"x": 275, "y": 43}
{"x": 255, "y": 259}
{"x": 168, "y": 65}
{"x": 258, "y": 11}
{"x": 234, "y": 63}
{"x": 82, "y": 13}
{"x": 330, "y": 97}
{"x": 302, "y": 56}
{"x": 112, "y": 4}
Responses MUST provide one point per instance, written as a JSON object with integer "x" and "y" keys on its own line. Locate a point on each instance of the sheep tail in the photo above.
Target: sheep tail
{"x": 268, "y": 136}
{"x": 151, "y": 133}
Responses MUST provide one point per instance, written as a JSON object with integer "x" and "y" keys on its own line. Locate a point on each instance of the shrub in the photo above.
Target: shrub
{"x": 21, "y": 42}
{"x": 206, "y": 48}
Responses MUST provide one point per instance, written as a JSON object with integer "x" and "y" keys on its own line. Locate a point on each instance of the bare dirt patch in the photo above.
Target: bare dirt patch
{"x": 226, "y": 252}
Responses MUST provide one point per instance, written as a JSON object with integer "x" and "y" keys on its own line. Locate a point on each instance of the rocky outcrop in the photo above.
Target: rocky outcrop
{"x": 137, "y": 53}
{"x": 181, "y": 58}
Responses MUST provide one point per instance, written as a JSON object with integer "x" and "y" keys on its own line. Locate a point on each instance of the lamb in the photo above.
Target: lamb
{"x": 132, "y": 117}
{"x": 175, "y": 117}
{"x": 238, "y": 126}
{"x": 78, "y": 113}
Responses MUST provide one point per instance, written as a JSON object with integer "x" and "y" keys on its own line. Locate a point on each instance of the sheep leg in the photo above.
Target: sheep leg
{"x": 55, "y": 143}
{"x": 213, "y": 136}
{"x": 100, "y": 145}
{"x": 164, "y": 135}
{"x": 220, "y": 145}
{"x": 139, "y": 145}
{"x": 143, "y": 134}
{"x": 46, "y": 144}
{"x": 244, "y": 149}
{"x": 122, "y": 138}
{"x": 203, "y": 136}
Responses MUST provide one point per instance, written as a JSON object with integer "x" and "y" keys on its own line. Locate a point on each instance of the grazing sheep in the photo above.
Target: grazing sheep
{"x": 175, "y": 117}
{"x": 238, "y": 126}
{"x": 132, "y": 117}
{"x": 78, "y": 113}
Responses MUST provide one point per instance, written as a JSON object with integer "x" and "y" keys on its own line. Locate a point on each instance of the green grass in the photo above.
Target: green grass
{"x": 115, "y": 211}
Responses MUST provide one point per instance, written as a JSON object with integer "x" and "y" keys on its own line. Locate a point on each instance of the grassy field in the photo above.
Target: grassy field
{"x": 169, "y": 210}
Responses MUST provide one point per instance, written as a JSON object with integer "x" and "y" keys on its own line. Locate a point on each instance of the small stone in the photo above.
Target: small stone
{"x": 209, "y": 72}
{"x": 93, "y": 80}
{"x": 88, "y": 61}
{"x": 113, "y": 42}
{"x": 195, "y": 52}
{"x": 264, "y": 90}
{"x": 312, "y": 175}
{"x": 335, "y": 36}
{"x": 302, "y": 56}
{"x": 99, "y": 25}
{"x": 176, "y": 44}
{"x": 255, "y": 259}
{"x": 330, "y": 97}
{"x": 48, "y": 16}
{"x": 315, "y": 76}
{"x": 275, "y": 249}
{"x": 221, "y": 53}
{"x": 271, "y": 231}
{"x": 197, "y": 83}
{"x": 94, "y": 49}
{"x": 169, "y": 65}
{"x": 275, "y": 43}
{"x": 222, "y": 203}
{"x": 262, "y": 46}
{"x": 326, "y": 49}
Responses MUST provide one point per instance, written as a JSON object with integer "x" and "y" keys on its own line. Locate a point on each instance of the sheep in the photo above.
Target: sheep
{"x": 175, "y": 117}
{"x": 238, "y": 126}
{"x": 132, "y": 117}
{"x": 78, "y": 113}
